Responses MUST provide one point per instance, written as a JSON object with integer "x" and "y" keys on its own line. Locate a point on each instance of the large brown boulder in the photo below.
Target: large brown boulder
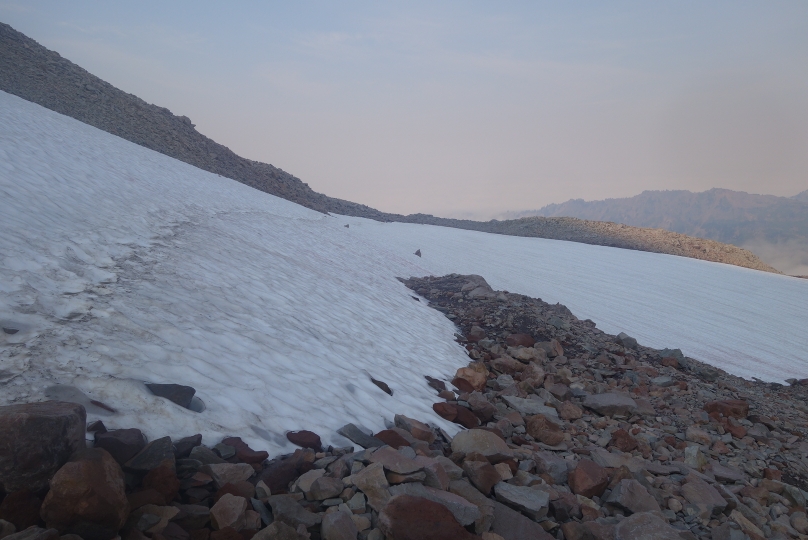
{"x": 735, "y": 408}
{"x": 87, "y": 496}
{"x": 405, "y": 517}
{"x": 36, "y": 439}
{"x": 588, "y": 479}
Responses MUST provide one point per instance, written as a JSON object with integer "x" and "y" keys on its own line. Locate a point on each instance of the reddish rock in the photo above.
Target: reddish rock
{"x": 569, "y": 411}
{"x": 447, "y": 411}
{"x": 36, "y": 439}
{"x": 462, "y": 384}
{"x": 516, "y": 340}
{"x": 475, "y": 334}
{"x": 164, "y": 480}
{"x": 739, "y": 432}
{"x": 122, "y": 444}
{"x": 623, "y": 441}
{"x": 406, "y": 517}
{"x": 279, "y": 473}
{"x": 437, "y": 384}
{"x": 21, "y": 508}
{"x": 508, "y": 365}
{"x": 734, "y": 408}
{"x": 305, "y": 439}
{"x": 566, "y": 507}
{"x": 768, "y": 474}
{"x": 474, "y": 376}
{"x": 244, "y": 452}
{"x": 391, "y": 438}
{"x": 588, "y": 479}
{"x": 670, "y": 362}
{"x": 417, "y": 429}
{"x": 542, "y": 429}
{"x": 87, "y": 496}
{"x": 482, "y": 474}
{"x": 466, "y": 418}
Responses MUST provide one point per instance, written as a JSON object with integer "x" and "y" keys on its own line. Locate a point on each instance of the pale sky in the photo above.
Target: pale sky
{"x": 467, "y": 108}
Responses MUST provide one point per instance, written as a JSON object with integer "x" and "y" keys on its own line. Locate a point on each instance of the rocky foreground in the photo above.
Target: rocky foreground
{"x": 571, "y": 433}
{"x": 42, "y": 76}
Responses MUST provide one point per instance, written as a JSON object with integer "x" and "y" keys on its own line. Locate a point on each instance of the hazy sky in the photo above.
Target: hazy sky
{"x": 467, "y": 108}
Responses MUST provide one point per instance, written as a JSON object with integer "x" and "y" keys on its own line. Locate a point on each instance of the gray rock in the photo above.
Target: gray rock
{"x": 530, "y": 406}
{"x": 338, "y": 526}
{"x": 228, "y": 473}
{"x": 155, "y": 453}
{"x": 395, "y": 461}
{"x": 464, "y": 511}
{"x": 286, "y": 509}
{"x": 632, "y": 496}
{"x": 552, "y": 464}
{"x": 611, "y": 404}
{"x": 372, "y": 482}
{"x": 531, "y": 502}
{"x": 483, "y": 442}
{"x": 664, "y": 381}
{"x": 357, "y": 436}
{"x": 177, "y": 393}
{"x": 645, "y": 526}
{"x": 485, "y": 505}
{"x": 6, "y": 528}
{"x": 626, "y": 341}
{"x": 324, "y": 488}
{"x": 204, "y": 455}
{"x": 512, "y": 525}
{"x": 703, "y": 495}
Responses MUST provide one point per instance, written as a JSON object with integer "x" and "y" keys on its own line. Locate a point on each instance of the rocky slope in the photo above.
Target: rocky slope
{"x": 571, "y": 434}
{"x": 37, "y": 74}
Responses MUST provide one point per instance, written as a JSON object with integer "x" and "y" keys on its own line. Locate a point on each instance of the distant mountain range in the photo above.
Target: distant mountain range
{"x": 774, "y": 228}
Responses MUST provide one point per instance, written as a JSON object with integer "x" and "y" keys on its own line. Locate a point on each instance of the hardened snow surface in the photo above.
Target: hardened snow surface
{"x": 747, "y": 322}
{"x": 120, "y": 266}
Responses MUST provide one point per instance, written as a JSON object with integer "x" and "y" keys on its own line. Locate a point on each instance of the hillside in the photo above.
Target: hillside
{"x": 36, "y": 74}
{"x": 775, "y": 228}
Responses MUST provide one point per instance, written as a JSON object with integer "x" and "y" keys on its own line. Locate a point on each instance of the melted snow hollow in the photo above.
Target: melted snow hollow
{"x": 121, "y": 266}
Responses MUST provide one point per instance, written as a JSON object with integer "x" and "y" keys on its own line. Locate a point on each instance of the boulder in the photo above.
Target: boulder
{"x": 228, "y": 473}
{"x": 482, "y": 474}
{"x": 632, "y": 497}
{"x": 611, "y": 404}
{"x": 471, "y": 378}
{"x": 703, "y": 495}
{"x": 36, "y": 439}
{"x": 287, "y": 510}
{"x": 626, "y": 341}
{"x": 357, "y": 436}
{"x": 511, "y": 525}
{"x": 405, "y": 517}
{"x": 179, "y": 394}
{"x": 305, "y": 439}
{"x": 516, "y": 340}
{"x": 529, "y": 406}
{"x": 338, "y": 526}
{"x": 588, "y": 479}
{"x": 372, "y": 482}
{"x": 645, "y": 526}
{"x": 153, "y": 455}
{"x": 122, "y": 444}
{"x": 87, "y": 496}
{"x": 229, "y": 512}
{"x": 735, "y": 408}
{"x": 392, "y": 460}
{"x": 531, "y": 502}
{"x": 483, "y": 442}
{"x": 541, "y": 428}
{"x": 464, "y": 511}
{"x": 485, "y": 505}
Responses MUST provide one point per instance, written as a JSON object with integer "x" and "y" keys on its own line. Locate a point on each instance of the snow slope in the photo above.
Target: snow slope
{"x": 120, "y": 266}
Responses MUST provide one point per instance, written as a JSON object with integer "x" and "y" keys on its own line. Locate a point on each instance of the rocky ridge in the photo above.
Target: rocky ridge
{"x": 34, "y": 73}
{"x": 570, "y": 433}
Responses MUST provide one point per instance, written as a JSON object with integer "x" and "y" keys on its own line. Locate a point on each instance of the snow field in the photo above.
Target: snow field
{"x": 120, "y": 266}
